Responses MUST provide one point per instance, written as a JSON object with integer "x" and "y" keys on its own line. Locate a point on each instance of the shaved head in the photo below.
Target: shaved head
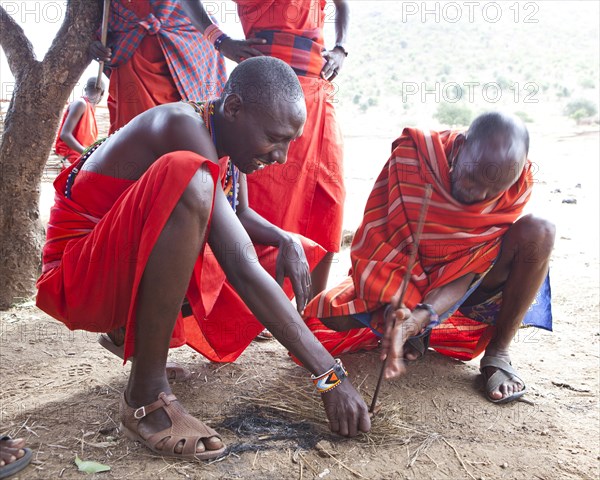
{"x": 264, "y": 110}
{"x": 94, "y": 94}
{"x": 499, "y": 127}
{"x": 491, "y": 157}
{"x": 264, "y": 82}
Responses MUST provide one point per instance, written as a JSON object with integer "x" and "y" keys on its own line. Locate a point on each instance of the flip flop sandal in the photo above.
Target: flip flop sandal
{"x": 183, "y": 427}
{"x": 16, "y": 466}
{"x": 420, "y": 342}
{"x": 504, "y": 373}
{"x": 175, "y": 371}
{"x": 264, "y": 336}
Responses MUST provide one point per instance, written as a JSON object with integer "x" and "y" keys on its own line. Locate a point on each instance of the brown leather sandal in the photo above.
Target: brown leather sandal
{"x": 183, "y": 427}
{"x": 175, "y": 372}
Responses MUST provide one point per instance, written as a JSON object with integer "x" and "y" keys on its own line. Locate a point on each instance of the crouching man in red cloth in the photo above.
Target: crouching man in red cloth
{"x": 127, "y": 238}
{"x": 481, "y": 267}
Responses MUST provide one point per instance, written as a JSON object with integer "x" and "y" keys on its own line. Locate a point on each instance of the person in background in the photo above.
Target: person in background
{"x": 78, "y": 129}
{"x": 306, "y": 195}
{"x": 154, "y": 55}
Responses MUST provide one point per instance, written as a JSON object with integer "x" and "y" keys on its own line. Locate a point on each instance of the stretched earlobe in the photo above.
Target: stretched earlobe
{"x": 232, "y": 106}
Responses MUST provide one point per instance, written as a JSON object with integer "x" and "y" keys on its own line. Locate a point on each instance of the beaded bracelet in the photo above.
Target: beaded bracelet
{"x": 214, "y": 35}
{"x": 220, "y": 40}
{"x": 331, "y": 378}
{"x": 212, "y": 32}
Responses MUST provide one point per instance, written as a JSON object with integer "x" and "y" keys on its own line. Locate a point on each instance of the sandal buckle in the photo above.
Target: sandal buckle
{"x": 139, "y": 413}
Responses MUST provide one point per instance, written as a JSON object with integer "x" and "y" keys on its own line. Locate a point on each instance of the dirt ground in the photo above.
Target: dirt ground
{"x": 60, "y": 389}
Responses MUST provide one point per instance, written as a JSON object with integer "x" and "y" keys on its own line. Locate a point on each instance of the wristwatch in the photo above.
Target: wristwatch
{"x": 434, "y": 318}
{"x": 339, "y": 46}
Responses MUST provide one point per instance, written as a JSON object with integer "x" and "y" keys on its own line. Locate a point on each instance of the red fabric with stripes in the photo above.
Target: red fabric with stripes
{"x": 311, "y": 183}
{"x": 298, "y": 17}
{"x": 457, "y": 239}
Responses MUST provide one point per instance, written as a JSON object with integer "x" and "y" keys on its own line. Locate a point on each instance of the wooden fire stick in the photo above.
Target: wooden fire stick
{"x": 104, "y": 34}
{"x": 411, "y": 263}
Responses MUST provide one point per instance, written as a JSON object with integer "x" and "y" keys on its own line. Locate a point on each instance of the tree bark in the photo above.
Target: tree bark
{"x": 41, "y": 91}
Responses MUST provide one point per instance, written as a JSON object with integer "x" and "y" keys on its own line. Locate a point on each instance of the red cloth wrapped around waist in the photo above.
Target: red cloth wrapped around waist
{"x": 301, "y": 53}
{"x": 70, "y": 219}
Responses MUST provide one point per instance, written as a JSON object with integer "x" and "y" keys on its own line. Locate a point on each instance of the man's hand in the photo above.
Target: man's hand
{"x": 292, "y": 263}
{"x": 334, "y": 60}
{"x": 238, "y": 50}
{"x": 400, "y": 325}
{"x": 99, "y": 52}
{"x": 346, "y": 410}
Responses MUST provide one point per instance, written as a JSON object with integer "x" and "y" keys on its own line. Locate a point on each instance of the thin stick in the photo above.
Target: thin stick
{"x": 411, "y": 263}
{"x": 343, "y": 465}
{"x": 104, "y": 34}
{"x": 308, "y": 464}
{"x": 458, "y": 456}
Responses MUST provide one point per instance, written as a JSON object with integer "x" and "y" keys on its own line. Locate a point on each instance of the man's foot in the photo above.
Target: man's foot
{"x": 416, "y": 347}
{"x": 502, "y": 382}
{"x": 166, "y": 428}
{"x": 265, "y": 335}
{"x": 14, "y": 457}
{"x": 111, "y": 342}
{"x": 411, "y": 353}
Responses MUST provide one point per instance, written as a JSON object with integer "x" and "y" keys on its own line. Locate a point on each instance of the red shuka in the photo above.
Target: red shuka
{"x": 457, "y": 239}
{"x": 86, "y": 132}
{"x": 99, "y": 241}
{"x": 306, "y": 194}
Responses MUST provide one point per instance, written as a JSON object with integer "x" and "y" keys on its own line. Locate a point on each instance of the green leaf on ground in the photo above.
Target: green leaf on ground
{"x": 89, "y": 466}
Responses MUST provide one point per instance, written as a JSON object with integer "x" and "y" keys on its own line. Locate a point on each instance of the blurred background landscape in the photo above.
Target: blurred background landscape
{"x": 442, "y": 63}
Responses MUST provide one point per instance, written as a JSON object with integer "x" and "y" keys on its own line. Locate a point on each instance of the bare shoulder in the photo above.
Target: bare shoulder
{"x": 77, "y": 106}
{"x": 152, "y": 134}
{"x": 177, "y": 126}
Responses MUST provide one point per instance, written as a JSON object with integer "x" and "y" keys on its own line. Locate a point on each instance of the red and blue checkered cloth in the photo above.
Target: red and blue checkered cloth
{"x": 300, "y": 52}
{"x": 197, "y": 68}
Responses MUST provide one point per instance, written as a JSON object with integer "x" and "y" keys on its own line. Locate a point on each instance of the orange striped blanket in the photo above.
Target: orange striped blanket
{"x": 457, "y": 239}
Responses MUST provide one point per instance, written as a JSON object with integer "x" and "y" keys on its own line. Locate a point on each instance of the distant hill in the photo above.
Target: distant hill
{"x": 444, "y": 62}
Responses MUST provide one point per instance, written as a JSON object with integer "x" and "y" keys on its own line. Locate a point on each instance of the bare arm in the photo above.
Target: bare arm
{"x": 346, "y": 411}
{"x": 291, "y": 258}
{"x": 76, "y": 111}
{"x": 342, "y": 19}
{"x": 334, "y": 58}
{"x": 236, "y": 50}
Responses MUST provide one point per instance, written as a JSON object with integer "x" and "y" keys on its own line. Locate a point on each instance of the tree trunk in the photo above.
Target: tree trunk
{"x": 41, "y": 91}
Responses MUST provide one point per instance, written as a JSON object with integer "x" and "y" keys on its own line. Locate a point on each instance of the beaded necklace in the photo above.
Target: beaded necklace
{"x": 232, "y": 175}
{"x": 84, "y": 156}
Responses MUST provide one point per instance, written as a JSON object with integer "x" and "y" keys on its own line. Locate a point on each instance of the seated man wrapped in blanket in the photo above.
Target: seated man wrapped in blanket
{"x": 481, "y": 268}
